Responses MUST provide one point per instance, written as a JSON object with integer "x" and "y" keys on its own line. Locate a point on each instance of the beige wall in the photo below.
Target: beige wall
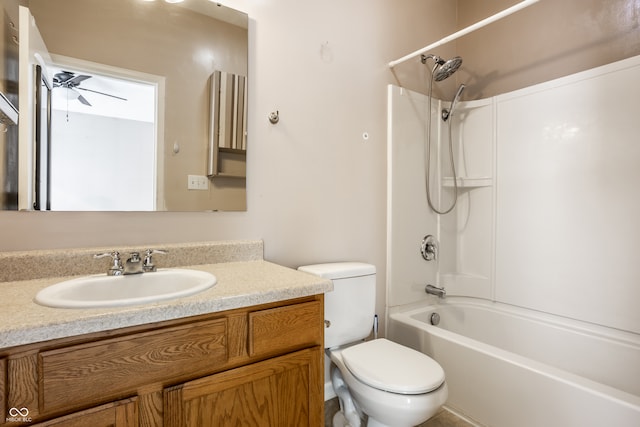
{"x": 550, "y": 39}
{"x": 164, "y": 40}
{"x": 317, "y": 189}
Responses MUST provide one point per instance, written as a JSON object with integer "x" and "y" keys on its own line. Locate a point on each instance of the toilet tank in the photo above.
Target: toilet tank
{"x": 350, "y": 307}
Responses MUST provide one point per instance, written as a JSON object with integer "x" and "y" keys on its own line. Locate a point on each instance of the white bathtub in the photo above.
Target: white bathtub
{"x": 511, "y": 367}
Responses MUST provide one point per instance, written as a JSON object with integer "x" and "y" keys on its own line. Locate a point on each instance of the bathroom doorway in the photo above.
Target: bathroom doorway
{"x": 104, "y": 144}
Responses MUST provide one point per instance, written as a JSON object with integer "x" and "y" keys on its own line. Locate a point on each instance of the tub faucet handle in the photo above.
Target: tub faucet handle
{"x": 429, "y": 248}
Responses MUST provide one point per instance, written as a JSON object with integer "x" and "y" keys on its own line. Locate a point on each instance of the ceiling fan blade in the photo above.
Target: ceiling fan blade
{"x": 101, "y": 93}
{"x": 84, "y": 100}
{"x": 80, "y": 98}
{"x": 62, "y": 76}
{"x": 75, "y": 81}
{"x": 72, "y": 93}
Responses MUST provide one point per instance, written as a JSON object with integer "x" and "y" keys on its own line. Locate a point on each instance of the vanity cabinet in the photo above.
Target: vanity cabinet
{"x": 260, "y": 365}
{"x": 274, "y": 392}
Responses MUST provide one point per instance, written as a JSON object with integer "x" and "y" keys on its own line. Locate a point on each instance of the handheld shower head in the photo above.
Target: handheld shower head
{"x": 446, "y": 114}
{"x": 443, "y": 69}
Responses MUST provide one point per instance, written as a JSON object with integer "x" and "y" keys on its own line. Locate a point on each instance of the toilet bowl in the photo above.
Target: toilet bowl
{"x": 382, "y": 381}
{"x": 391, "y": 388}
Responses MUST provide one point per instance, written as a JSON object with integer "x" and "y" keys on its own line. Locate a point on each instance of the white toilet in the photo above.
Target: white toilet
{"x": 393, "y": 385}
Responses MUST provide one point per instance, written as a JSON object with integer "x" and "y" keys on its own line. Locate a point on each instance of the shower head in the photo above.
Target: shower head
{"x": 448, "y": 68}
{"x": 443, "y": 69}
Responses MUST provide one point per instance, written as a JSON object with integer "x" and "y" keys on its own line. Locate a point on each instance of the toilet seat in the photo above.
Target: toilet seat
{"x": 391, "y": 367}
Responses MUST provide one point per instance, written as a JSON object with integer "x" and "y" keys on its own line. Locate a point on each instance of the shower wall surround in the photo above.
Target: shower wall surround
{"x": 547, "y": 216}
{"x": 465, "y": 238}
{"x": 568, "y": 205}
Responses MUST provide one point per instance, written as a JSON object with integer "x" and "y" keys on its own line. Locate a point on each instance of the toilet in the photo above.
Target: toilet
{"x": 393, "y": 385}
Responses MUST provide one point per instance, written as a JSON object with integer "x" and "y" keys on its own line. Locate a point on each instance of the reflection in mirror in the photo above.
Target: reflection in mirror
{"x": 101, "y": 123}
{"x": 99, "y": 58}
{"x": 227, "y": 133}
{"x": 8, "y": 106}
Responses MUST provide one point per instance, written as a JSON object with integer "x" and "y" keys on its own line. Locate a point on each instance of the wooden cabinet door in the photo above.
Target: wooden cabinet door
{"x": 279, "y": 392}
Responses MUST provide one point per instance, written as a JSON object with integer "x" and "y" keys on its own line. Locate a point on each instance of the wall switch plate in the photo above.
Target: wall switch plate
{"x": 197, "y": 182}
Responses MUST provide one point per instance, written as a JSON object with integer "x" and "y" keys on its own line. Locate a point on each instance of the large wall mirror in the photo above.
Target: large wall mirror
{"x": 132, "y": 89}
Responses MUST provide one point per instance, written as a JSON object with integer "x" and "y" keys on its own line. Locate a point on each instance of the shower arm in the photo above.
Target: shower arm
{"x": 438, "y": 61}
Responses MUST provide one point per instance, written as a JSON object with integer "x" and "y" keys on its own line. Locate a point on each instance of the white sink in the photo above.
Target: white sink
{"x": 115, "y": 291}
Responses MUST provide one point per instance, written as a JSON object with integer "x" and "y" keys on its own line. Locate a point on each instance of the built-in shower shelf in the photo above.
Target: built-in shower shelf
{"x": 468, "y": 182}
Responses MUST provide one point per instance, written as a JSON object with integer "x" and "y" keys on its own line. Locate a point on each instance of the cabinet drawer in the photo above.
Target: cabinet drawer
{"x": 281, "y": 329}
{"x": 112, "y": 368}
{"x": 123, "y": 413}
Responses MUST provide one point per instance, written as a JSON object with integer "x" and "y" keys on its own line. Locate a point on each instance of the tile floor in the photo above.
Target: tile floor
{"x": 442, "y": 419}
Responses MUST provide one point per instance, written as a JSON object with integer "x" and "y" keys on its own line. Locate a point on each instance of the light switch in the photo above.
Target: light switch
{"x": 197, "y": 182}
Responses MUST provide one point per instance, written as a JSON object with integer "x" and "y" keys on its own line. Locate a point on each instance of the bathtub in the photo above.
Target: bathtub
{"x": 511, "y": 367}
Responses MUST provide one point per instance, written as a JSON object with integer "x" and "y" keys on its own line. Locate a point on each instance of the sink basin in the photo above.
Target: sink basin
{"x": 116, "y": 291}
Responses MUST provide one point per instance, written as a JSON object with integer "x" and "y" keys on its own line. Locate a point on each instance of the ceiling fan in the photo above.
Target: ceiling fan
{"x": 71, "y": 81}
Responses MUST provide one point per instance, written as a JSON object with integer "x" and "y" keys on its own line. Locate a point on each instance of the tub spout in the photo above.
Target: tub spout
{"x": 434, "y": 290}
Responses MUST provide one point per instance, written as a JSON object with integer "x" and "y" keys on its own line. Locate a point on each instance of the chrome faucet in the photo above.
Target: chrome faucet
{"x": 133, "y": 265}
{"x": 434, "y": 290}
{"x": 116, "y": 268}
{"x": 147, "y": 264}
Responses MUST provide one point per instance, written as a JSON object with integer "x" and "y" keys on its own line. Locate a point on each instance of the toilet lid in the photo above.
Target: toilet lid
{"x": 392, "y": 367}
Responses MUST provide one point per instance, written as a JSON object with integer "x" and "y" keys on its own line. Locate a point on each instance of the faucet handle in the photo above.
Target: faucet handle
{"x": 429, "y": 248}
{"x": 116, "y": 268}
{"x": 147, "y": 264}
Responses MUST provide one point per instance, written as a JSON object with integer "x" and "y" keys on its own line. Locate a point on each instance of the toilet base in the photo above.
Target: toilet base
{"x": 349, "y": 415}
{"x": 375, "y": 423}
{"x": 339, "y": 420}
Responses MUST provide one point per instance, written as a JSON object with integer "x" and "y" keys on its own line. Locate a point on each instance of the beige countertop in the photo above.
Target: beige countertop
{"x": 240, "y": 284}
